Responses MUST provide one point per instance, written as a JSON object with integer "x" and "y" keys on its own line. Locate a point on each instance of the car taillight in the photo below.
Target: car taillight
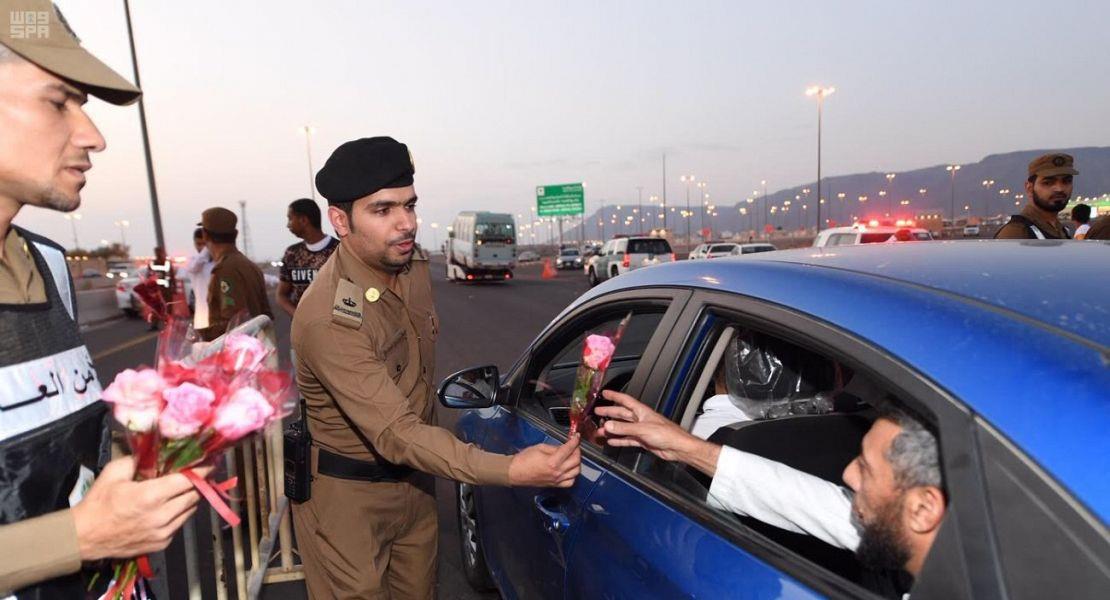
{"x": 673, "y": 259}
{"x": 121, "y": 287}
{"x": 626, "y": 262}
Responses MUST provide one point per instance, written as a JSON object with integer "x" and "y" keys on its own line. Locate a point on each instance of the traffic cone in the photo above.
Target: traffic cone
{"x": 549, "y": 271}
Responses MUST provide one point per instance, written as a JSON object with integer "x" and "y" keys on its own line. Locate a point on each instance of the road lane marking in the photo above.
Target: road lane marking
{"x": 125, "y": 345}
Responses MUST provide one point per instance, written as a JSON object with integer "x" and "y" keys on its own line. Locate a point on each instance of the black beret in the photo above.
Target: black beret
{"x": 361, "y": 167}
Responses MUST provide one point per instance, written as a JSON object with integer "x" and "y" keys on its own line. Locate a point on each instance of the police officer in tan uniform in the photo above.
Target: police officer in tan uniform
{"x": 54, "y": 527}
{"x": 237, "y": 288}
{"x": 364, "y": 337}
{"x": 1049, "y": 188}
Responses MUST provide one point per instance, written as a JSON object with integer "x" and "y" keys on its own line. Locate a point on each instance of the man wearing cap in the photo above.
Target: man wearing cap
{"x": 53, "y": 434}
{"x": 364, "y": 337}
{"x": 1049, "y": 188}
{"x": 237, "y": 287}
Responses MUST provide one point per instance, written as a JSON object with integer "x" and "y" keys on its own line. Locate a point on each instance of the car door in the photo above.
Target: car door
{"x": 527, "y": 532}
{"x": 646, "y": 530}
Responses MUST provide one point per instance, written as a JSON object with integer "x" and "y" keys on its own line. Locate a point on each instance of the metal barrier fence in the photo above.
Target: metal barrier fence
{"x": 260, "y": 500}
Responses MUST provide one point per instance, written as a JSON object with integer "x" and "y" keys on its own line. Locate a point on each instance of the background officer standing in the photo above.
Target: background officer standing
{"x": 53, "y": 436}
{"x": 1049, "y": 188}
{"x": 237, "y": 284}
{"x": 364, "y": 337}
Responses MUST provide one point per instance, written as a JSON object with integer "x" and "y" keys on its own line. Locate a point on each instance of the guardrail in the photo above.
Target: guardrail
{"x": 260, "y": 500}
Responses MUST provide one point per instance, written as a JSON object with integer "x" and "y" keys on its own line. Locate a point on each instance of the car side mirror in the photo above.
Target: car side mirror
{"x": 475, "y": 387}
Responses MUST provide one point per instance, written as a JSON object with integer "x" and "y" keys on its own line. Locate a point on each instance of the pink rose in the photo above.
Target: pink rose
{"x": 188, "y": 407}
{"x": 136, "y": 398}
{"x": 599, "y": 350}
{"x": 242, "y": 352}
{"x": 246, "y": 411}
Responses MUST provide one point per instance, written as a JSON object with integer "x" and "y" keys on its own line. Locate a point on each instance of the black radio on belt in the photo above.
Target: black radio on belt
{"x": 298, "y": 460}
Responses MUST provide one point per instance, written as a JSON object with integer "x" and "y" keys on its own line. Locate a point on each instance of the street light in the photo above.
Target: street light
{"x": 988, "y": 184}
{"x": 687, "y": 179}
{"x": 435, "y": 236}
{"x": 952, "y": 207}
{"x": 308, "y": 130}
{"x": 820, "y": 92}
{"x": 890, "y": 188}
{"x": 123, "y": 224}
{"x": 73, "y": 218}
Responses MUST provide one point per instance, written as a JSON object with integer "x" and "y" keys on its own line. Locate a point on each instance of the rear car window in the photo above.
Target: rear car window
{"x": 754, "y": 249}
{"x": 655, "y": 246}
{"x": 721, "y": 248}
{"x": 874, "y": 238}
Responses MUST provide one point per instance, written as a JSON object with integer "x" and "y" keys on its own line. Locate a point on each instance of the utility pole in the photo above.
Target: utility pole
{"x": 664, "y": 191}
{"x": 156, "y": 213}
{"x": 246, "y": 228}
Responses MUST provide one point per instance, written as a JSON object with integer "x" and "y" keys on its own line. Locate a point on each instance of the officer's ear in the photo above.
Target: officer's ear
{"x": 340, "y": 217}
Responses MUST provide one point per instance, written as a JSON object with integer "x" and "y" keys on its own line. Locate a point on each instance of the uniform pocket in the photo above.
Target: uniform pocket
{"x": 395, "y": 353}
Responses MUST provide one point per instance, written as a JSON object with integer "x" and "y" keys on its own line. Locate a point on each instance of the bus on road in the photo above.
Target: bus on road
{"x": 481, "y": 246}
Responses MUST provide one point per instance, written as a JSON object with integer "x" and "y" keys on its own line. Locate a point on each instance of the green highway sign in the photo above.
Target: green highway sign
{"x": 564, "y": 200}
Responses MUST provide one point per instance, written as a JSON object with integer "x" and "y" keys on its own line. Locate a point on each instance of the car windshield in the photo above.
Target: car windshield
{"x": 569, "y": 253}
{"x": 653, "y": 246}
{"x": 486, "y": 231}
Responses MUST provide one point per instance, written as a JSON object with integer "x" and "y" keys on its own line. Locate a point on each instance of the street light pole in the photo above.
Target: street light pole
{"x": 640, "y": 207}
{"x": 890, "y": 192}
{"x": 73, "y": 218}
{"x": 156, "y": 212}
{"x": 820, "y": 92}
{"x": 308, "y": 131}
{"x": 952, "y": 208}
{"x": 687, "y": 179}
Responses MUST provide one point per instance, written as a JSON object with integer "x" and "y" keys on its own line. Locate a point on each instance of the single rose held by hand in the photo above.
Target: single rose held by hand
{"x": 188, "y": 408}
{"x": 599, "y": 351}
{"x": 136, "y": 398}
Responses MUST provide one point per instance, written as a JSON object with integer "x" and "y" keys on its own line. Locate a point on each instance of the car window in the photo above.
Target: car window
{"x": 842, "y": 239}
{"x": 754, "y": 249}
{"x": 874, "y": 238}
{"x": 549, "y": 384}
{"x": 651, "y": 246}
{"x": 781, "y": 400}
{"x": 721, "y": 248}
{"x": 1040, "y": 529}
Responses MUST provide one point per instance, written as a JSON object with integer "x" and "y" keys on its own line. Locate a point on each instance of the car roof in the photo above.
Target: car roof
{"x": 1017, "y": 330}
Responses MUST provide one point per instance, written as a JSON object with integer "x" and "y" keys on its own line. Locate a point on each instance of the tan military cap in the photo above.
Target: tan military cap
{"x": 218, "y": 220}
{"x": 37, "y": 31}
{"x": 1055, "y": 163}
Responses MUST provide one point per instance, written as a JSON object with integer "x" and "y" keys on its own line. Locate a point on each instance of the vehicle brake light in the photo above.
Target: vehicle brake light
{"x": 469, "y": 277}
{"x": 121, "y": 287}
{"x": 508, "y": 276}
{"x": 673, "y": 259}
{"x": 626, "y": 262}
{"x": 874, "y": 223}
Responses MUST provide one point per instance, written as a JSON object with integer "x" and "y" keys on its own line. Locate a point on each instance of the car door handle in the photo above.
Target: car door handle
{"x": 551, "y": 513}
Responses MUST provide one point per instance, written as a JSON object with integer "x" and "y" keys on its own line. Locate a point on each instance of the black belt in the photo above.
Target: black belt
{"x": 335, "y": 465}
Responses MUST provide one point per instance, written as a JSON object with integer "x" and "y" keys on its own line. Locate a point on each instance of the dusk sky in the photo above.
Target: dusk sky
{"x": 495, "y": 98}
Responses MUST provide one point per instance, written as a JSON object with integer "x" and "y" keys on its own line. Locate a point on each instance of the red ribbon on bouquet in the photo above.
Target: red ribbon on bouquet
{"x": 215, "y": 494}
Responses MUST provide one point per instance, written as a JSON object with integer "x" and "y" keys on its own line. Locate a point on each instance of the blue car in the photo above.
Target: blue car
{"x": 1002, "y": 347}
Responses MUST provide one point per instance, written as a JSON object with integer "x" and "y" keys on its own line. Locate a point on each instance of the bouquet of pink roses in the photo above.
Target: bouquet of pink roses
{"x": 597, "y": 353}
{"x": 190, "y": 409}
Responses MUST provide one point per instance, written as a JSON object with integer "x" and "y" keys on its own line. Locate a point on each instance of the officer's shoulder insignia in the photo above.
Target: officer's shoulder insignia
{"x": 225, "y": 286}
{"x": 346, "y": 308}
{"x": 372, "y": 295}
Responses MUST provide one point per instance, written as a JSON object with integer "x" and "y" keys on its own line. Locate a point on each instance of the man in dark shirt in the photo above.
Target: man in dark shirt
{"x": 1049, "y": 188}
{"x": 303, "y": 259}
{"x": 237, "y": 287}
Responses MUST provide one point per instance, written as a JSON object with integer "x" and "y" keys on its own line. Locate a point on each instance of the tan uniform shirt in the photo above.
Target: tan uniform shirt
{"x": 47, "y": 545}
{"x": 365, "y": 361}
{"x": 1052, "y": 229}
{"x": 237, "y": 285}
{"x": 20, "y": 282}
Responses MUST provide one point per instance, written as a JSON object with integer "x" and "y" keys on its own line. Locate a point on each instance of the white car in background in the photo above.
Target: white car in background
{"x": 126, "y": 299}
{"x": 871, "y": 233}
